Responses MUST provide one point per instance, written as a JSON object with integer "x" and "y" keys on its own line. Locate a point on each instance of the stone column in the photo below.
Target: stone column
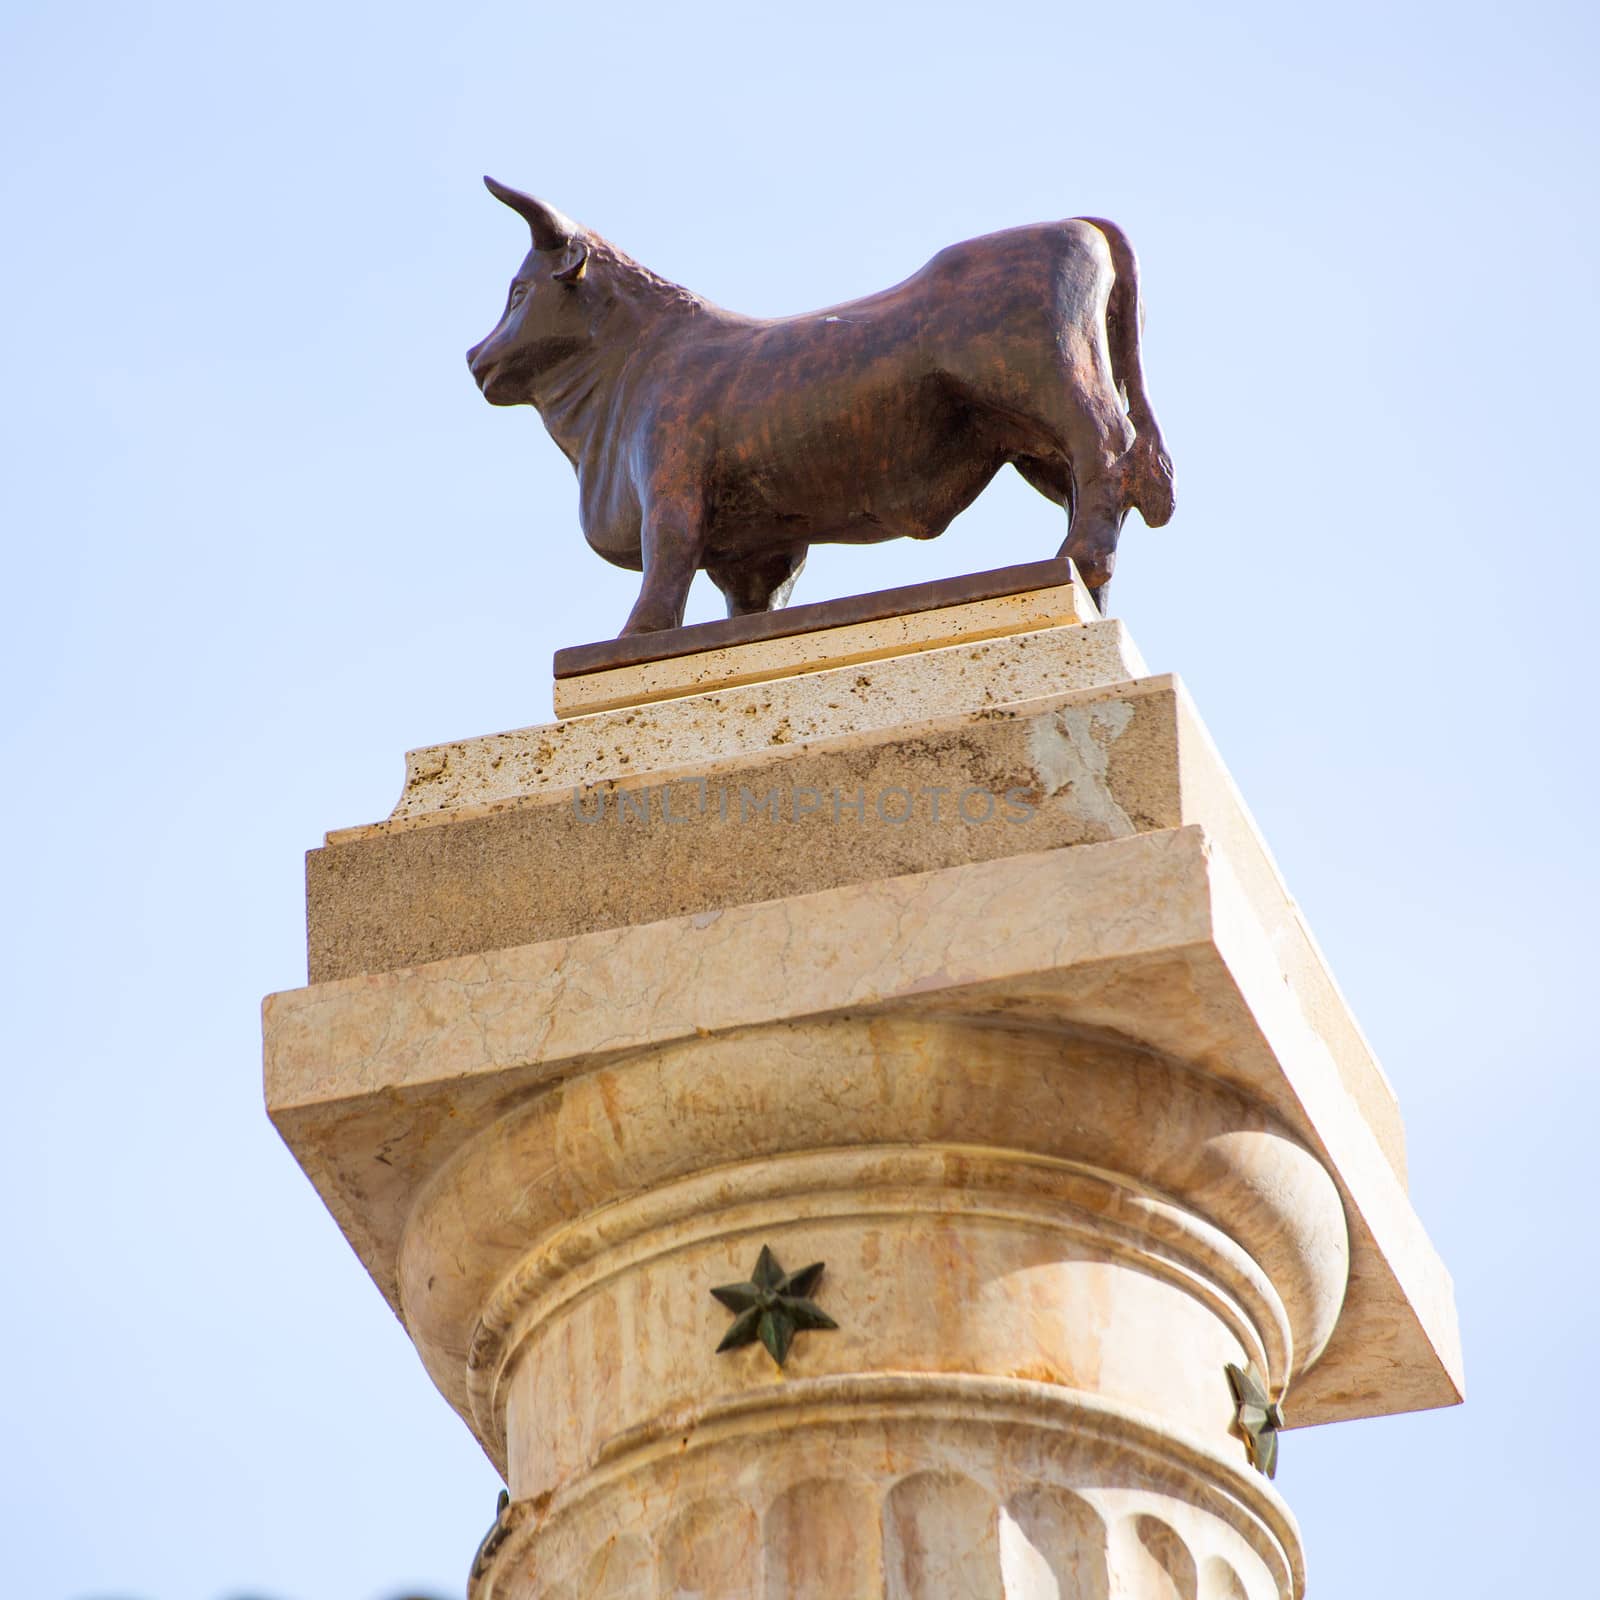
{"x": 1046, "y": 1074}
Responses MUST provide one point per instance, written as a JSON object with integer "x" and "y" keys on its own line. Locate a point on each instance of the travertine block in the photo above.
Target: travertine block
{"x": 1031, "y": 775}
{"x": 826, "y": 648}
{"x": 693, "y": 729}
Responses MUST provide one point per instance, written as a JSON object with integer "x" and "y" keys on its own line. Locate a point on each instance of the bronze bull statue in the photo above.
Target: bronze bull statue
{"x": 702, "y": 438}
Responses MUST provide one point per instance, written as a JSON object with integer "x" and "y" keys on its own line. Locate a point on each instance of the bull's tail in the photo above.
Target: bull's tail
{"x": 1148, "y": 466}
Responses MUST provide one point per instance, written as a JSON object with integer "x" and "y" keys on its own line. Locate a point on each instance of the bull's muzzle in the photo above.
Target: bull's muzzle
{"x": 483, "y": 368}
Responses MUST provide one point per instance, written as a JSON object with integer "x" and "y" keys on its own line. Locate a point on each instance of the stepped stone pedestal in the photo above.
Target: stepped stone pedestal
{"x": 940, "y": 950}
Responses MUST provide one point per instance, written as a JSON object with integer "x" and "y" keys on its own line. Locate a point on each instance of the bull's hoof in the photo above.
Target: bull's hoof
{"x": 635, "y": 626}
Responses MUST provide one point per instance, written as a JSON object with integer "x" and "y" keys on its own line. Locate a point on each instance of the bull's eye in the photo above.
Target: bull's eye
{"x": 519, "y": 293}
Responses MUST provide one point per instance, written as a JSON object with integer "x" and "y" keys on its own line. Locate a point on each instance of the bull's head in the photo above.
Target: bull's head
{"x": 544, "y": 317}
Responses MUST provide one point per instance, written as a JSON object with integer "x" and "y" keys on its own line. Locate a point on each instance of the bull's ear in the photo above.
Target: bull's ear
{"x": 550, "y": 229}
{"x": 575, "y": 265}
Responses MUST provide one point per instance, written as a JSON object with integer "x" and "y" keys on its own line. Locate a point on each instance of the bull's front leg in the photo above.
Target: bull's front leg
{"x": 672, "y": 541}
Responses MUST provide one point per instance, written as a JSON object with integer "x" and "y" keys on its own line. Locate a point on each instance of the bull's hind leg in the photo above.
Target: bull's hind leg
{"x": 1098, "y": 512}
{"x": 1089, "y": 478}
{"x": 1099, "y": 441}
{"x": 1087, "y": 539}
{"x": 758, "y": 583}
{"x": 1053, "y": 479}
{"x": 1050, "y": 478}
{"x": 1085, "y": 412}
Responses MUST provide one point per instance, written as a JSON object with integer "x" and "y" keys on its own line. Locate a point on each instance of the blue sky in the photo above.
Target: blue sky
{"x": 262, "y": 536}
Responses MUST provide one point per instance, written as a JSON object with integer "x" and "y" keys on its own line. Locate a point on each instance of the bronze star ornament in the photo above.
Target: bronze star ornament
{"x": 492, "y": 1540}
{"x": 1259, "y": 1417}
{"x": 773, "y": 1306}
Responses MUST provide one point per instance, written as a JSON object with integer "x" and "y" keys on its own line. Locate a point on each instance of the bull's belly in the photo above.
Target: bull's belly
{"x": 868, "y": 512}
{"x": 905, "y": 480}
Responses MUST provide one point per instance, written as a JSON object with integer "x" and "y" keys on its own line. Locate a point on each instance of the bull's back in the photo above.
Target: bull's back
{"x": 884, "y": 416}
{"x": 1011, "y": 300}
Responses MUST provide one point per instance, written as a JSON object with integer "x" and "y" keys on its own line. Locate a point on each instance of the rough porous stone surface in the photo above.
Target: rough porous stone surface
{"x": 611, "y": 746}
{"x": 759, "y": 662}
{"x": 1011, "y": 779}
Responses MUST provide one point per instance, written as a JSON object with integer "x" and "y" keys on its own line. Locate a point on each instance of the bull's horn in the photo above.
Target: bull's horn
{"x": 551, "y": 230}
